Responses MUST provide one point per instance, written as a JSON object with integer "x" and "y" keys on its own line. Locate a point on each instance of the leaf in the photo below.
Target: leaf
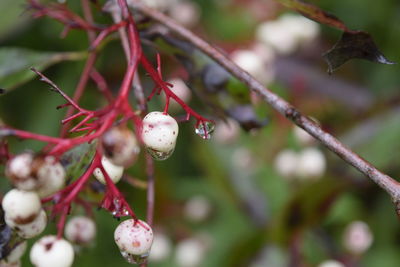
{"x": 15, "y": 63}
{"x": 354, "y": 45}
{"x": 11, "y": 16}
{"x": 77, "y": 159}
{"x": 315, "y": 13}
{"x": 245, "y": 115}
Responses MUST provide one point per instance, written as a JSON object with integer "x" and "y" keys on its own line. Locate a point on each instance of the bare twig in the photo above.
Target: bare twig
{"x": 391, "y": 186}
{"x": 80, "y": 88}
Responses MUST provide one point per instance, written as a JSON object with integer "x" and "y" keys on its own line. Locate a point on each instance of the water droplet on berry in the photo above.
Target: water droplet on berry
{"x": 205, "y": 129}
{"x": 134, "y": 259}
{"x": 159, "y": 155}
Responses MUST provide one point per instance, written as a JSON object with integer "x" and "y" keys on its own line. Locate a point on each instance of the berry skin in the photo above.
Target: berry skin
{"x": 357, "y": 237}
{"x": 115, "y": 172}
{"x": 311, "y": 163}
{"x": 286, "y": 163}
{"x": 22, "y": 207}
{"x": 30, "y": 230}
{"x": 43, "y": 174}
{"x": 159, "y": 134}
{"x": 120, "y": 146}
{"x": 52, "y": 252}
{"x": 227, "y": 132}
{"x": 80, "y": 230}
{"x": 135, "y": 239}
{"x": 50, "y": 176}
{"x": 19, "y": 170}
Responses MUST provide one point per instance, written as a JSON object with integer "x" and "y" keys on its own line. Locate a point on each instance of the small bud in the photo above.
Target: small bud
{"x": 30, "y": 230}
{"x": 134, "y": 238}
{"x": 22, "y": 207}
{"x": 80, "y": 230}
{"x": 120, "y": 146}
{"x": 49, "y": 251}
{"x": 114, "y": 172}
{"x": 159, "y": 134}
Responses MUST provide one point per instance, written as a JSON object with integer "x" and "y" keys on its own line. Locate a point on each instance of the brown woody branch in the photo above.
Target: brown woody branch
{"x": 390, "y": 185}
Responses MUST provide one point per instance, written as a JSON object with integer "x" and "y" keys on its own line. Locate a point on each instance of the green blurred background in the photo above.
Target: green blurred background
{"x": 254, "y": 216}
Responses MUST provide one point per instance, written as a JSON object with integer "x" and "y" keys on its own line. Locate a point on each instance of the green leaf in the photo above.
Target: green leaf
{"x": 78, "y": 159}
{"x": 354, "y": 45}
{"x": 15, "y": 63}
{"x": 11, "y": 16}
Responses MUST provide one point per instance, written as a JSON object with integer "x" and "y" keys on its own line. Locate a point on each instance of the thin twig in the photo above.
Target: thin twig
{"x": 80, "y": 88}
{"x": 391, "y": 186}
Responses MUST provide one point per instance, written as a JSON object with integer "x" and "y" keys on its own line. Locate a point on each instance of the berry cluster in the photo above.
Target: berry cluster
{"x": 42, "y": 183}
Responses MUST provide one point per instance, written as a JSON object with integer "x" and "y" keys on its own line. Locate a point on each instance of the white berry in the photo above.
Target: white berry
{"x": 181, "y": 90}
{"x": 286, "y": 163}
{"x": 159, "y": 134}
{"x": 161, "y": 248}
{"x": 50, "y": 176}
{"x": 19, "y": 170}
{"x": 357, "y": 237}
{"x": 22, "y": 207}
{"x": 312, "y": 163}
{"x": 134, "y": 238}
{"x": 331, "y": 263}
{"x": 302, "y": 136}
{"x": 49, "y": 251}
{"x": 114, "y": 172}
{"x": 80, "y": 230}
{"x": 226, "y": 132}
{"x": 250, "y": 62}
{"x": 120, "y": 146}
{"x": 197, "y": 208}
{"x": 189, "y": 252}
{"x": 186, "y": 13}
{"x": 30, "y": 230}
{"x": 16, "y": 253}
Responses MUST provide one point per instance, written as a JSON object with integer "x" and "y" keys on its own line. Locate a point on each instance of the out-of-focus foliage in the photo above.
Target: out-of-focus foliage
{"x": 255, "y": 215}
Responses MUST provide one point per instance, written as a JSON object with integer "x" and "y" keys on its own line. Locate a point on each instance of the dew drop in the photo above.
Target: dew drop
{"x": 205, "y": 129}
{"x": 159, "y": 155}
{"x": 134, "y": 259}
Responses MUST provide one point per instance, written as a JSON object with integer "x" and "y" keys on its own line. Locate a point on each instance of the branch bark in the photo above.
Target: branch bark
{"x": 390, "y": 185}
